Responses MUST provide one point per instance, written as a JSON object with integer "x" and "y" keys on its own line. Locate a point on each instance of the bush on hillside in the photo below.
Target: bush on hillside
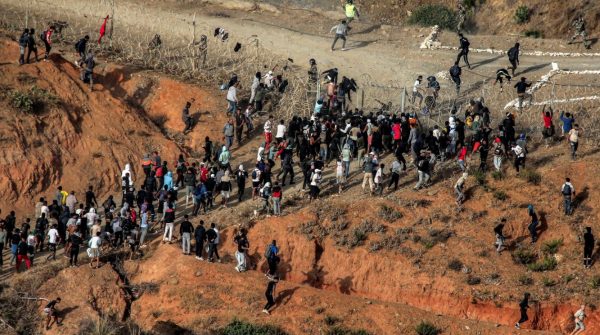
{"x": 35, "y": 100}
{"x": 524, "y": 256}
{"x": 546, "y": 264}
{"x": 534, "y": 34}
{"x": 522, "y": 14}
{"x": 337, "y": 330}
{"x": 531, "y": 176}
{"x": 237, "y": 327}
{"x": 431, "y": 15}
{"x": 426, "y": 328}
{"x": 551, "y": 247}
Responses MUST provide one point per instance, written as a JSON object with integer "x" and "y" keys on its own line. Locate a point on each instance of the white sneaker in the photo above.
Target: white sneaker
{"x": 237, "y": 269}
{"x": 266, "y": 312}
{"x": 344, "y": 49}
{"x": 198, "y": 258}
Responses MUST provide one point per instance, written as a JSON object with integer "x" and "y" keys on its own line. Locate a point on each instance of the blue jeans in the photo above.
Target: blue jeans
{"x": 228, "y": 141}
{"x": 232, "y": 106}
{"x": 533, "y": 231}
{"x": 568, "y": 203}
{"x": 346, "y": 168}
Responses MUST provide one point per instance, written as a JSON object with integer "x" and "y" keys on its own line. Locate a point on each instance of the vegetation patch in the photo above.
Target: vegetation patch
{"x": 525, "y": 280}
{"x": 551, "y": 247}
{"x": 546, "y": 264}
{"x": 338, "y": 330}
{"x": 389, "y": 214}
{"x": 237, "y": 327}
{"x": 427, "y": 328}
{"x": 531, "y": 176}
{"x": 522, "y": 14}
{"x": 33, "y": 101}
{"x": 524, "y": 256}
{"x": 431, "y": 15}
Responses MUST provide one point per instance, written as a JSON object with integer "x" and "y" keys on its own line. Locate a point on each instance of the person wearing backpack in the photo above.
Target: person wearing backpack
{"x": 46, "y": 37}
{"x": 368, "y": 172}
{"x": 265, "y": 193}
{"x": 519, "y": 156}
{"x": 455, "y": 73}
{"x": 272, "y": 256}
{"x": 464, "y": 50}
{"x": 80, "y": 48}
{"x": 31, "y": 46}
{"x": 568, "y": 191}
{"x": 22, "y": 45}
{"x": 513, "y": 57}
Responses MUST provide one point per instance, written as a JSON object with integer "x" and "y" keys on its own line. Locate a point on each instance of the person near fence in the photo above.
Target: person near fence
{"x": 502, "y": 74}
{"x": 568, "y": 191}
{"x": 341, "y": 31}
{"x": 455, "y": 73}
{"x": 513, "y": 57}
{"x": 232, "y": 99}
{"x": 548, "y": 132}
{"x": 574, "y": 135}
{"x": 351, "y": 11}
{"x": 499, "y": 152}
{"x": 46, "y": 37}
{"x": 464, "y": 50}
{"x": 519, "y": 153}
{"x": 567, "y": 120}
{"x": 522, "y": 94}
{"x": 523, "y": 306}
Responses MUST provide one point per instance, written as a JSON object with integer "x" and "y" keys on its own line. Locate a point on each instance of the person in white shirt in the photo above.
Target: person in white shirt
{"x": 94, "y": 251}
{"x": 281, "y": 129}
{"x": 339, "y": 175}
{"x": 269, "y": 79}
{"x": 579, "y": 317}
{"x": 417, "y": 91}
{"x": 44, "y": 209}
{"x": 268, "y": 131}
{"x": 254, "y": 86}
{"x": 232, "y": 98}
{"x": 53, "y": 239}
{"x": 379, "y": 179}
{"x": 91, "y": 217}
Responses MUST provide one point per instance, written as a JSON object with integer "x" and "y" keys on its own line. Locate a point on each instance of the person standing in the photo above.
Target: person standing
{"x": 548, "y": 132}
{"x": 47, "y": 39}
{"x": 228, "y": 132}
{"x": 199, "y": 236}
{"x": 423, "y": 171}
{"x": 574, "y": 140}
{"x": 567, "y": 120}
{"x": 513, "y": 57}
{"x": 341, "y": 31}
{"x": 579, "y": 316}
{"x": 254, "y": 86}
{"x": 169, "y": 219}
{"x": 532, "y": 227}
{"x": 417, "y": 91}
{"x": 53, "y": 239}
{"x": 90, "y": 64}
{"x": 464, "y": 50}
{"x": 522, "y": 94}
{"x": 568, "y": 191}
{"x": 588, "y": 247}
{"x": 351, "y": 11}
{"x": 76, "y": 241}
{"x": 187, "y": 118}
{"x": 499, "y": 153}
{"x": 241, "y": 240}
{"x": 3, "y": 241}
{"x": 90, "y": 198}
{"x": 22, "y": 254}
{"x": 144, "y": 226}
{"x": 523, "y": 306}
{"x": 31, "y": 45}
{"x": 368, "y": 172}
{"x": 94, "y": 245}
{"x": 240, "y": 176}
{"x": 499, "y": 236}
{"x": 271, "y": 286}
{"x": 22, "y": 45}
{"x": 232, "y": 99}
{"x": 80, "y": 48}
{"x": 519, "y": 156}
{"x": 212, "y": 237}
{"x": 185, "y": 230}
{"x": 455, "y": 73}
{"x": 276, "y": 195}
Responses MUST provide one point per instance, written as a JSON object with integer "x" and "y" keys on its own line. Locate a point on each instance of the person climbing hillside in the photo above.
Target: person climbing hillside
{"x": 52, "y": 314}
{"x": 579, "y": 316}
{"x": 588, "y": 247}
{"x": 567, "y": 120}
{"x": 502, "y": 74}
{"x": 270, "y": 292}
{"x": 459, "y": 188}
{"x": 513, "y": 57}
{"x": 187, "y": 118}
{"x": 519, "y": 153}
{"x": 23, "y": 45}
{"x": 522, "y": 94}
{"x": 568, "y": 190}
{"x": 241, "y": 240}
{"x": 523, "y": 306}
{"x": 574, "y": 135}
{"x": 80, "y": 49}
{"x": 464, "y": 50}
{"x": 532, "y": 227}
{"x": 498, "y": 231}
{"x": 46, "y": 37}
{"x": 31, "y": 45}
{"x": 455, "y": 73}
{"x": 548, "y": 132}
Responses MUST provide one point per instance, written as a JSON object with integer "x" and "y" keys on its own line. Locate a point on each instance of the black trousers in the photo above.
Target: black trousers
{"x": 29, "y": 51}
{"x": 523, "y": 316}
{"x": 270, "y": 301}
{"x": 513, "y": 64}
{"x": 465, "y": 56}
{"x": 199, "y": 246}
{"x": 285, "y": 172}
{"x": 74, "y": 254}
{"x": 241, "y": 189}
{"x": 394, "y": 180}
{"x": 48, "y": 48}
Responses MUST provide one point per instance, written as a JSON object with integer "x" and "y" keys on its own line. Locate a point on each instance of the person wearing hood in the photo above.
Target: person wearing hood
{"x": 534, "y": 223}
{"x": 459, "y": 188}
{"x": 315, "y": 182}
{"x": 224, "y": 158}
{"x": 127, "y": 173}
{"x": 225, "y": 186}
{"x": 265, "y": 193}
{"x": 168, "y": 181}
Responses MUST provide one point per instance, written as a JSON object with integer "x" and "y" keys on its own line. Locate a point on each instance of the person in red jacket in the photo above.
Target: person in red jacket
{"x": 396, "y": 133}
{"x": 47, "y": 39}
{"x": 462, "y": 157}
{"x": 548, "y": 127}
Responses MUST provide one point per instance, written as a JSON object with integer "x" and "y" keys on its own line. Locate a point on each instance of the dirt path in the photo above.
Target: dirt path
{"x": 388, "y": 54}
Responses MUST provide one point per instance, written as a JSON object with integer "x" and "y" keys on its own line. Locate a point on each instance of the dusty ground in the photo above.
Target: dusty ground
{"x": 394, "y": 278}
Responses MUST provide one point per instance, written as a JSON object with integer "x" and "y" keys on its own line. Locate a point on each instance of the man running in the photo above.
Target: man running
{"x": 523, "y": 306}
{"x": 455, "y": 73}
{"x": 341, "y": 31}
{"x": 522, "y": 94}
{"x": 464, "y": 50}
{"x": 502, "y": 74}
{"x": 351, "y": 12}
{"x": 513, "y": 57}
{"x": 579, "y": 317}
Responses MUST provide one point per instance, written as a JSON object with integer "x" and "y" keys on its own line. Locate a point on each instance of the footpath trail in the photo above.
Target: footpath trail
{"x": 393, "y": 55}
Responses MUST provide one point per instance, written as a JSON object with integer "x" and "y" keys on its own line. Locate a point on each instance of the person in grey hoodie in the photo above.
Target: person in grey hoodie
{"x": 228, "y": 131}
{"x": 341, "y": 30}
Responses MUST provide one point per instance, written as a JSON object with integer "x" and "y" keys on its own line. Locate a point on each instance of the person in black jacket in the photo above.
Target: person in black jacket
{"x": 513, "y": 57}
{"x": 22, "y": 45}
{"x": 270, "y": 292}
{"x": 31, "y": 46}
{"x": 455, "y": 73}
{"x": 211, "y": 238}
{"x": 241, "y": 175}
{"x": 185, "y": 230}
{"x": 90, "y": 198}
{"x": 22, "y": 253}
{"x": 523, "y": 306}
{"x": 588, "y": 247}
{"x": 80, "y": 47}
{"x": 464, "y": 50}
{"x": 76, "y": 241}
{"x": 522, "y": 94}
{"x": 199, "y": 236}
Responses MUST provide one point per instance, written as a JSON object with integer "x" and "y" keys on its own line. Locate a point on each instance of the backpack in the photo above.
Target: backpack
{"x": 566, "y": 189}
{"x": 23, "y": 40}
{"x": 269, "y": 253}
{"x": 254, "y": 174}
{"x": 454, "y": 71}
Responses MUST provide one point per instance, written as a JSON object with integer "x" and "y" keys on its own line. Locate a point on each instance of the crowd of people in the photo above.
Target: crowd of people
{"x": 334, "y": 135}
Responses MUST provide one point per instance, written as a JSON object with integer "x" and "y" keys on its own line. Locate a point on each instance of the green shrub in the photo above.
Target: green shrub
{"x": 237, "y": 327}
{"x": 524, "y": 256}
{"x": 568, "y": 278}
{"x": 426, "y": 328}
{"x": 546, "y": 264}
{"x": 331, "y": 320}
{"x": 35, "y": 100}
{"x": 534, "y": 34}
{"x": 455, "y": 265}
{"x": 522, "y": 14}
{"x": 389, "y": 214}
{"x": 525, "y": 280}
{"x": 473, "y": 280}
{"x": 548, "y": 282}
{"x": 497, "y": 175}
{"x": 595, "y": 282}
{"x": 500, "y": 195}
{"x": 479, "y": 176}
{"x": 337, "y": 330}
{"x": 551, "y": 247}
{"x": 431, "y": 15}
{"x": 531, "y": 176}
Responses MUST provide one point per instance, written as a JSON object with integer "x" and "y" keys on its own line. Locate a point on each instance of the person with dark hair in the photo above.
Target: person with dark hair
{"x": 241, "y": 240}
{"x": 80, "y": 48}
{"x": 522, "y": 94}
{"x": 455, "y": 73}
{"x": 31, "y": 45}
{"x": 502, "y": 74}
{"x": 341, "y": 30}
{"x": 51, "y": 313}
{"x": 90, "y": 198}
{"x": 464, "y": 50}
{"x": 187, "y": 118}
{"x": 588, "y": 247}
{"x": 185, "y": 231}
{"x": 574, "y": 140}
{"x": 76, "y": 241}
{"x": 199, "y": 236}
{"x": 568, "y": 190}
{"x": 532, "y": 227}
{"x": 22, "y": 45}
{"x": 212, "y": 237}
{"x": 523, "y": 306}
{"x": 513, "y": 57}
{"x": 46, "y": 37}
{"x": 500, "y": 235}
{"x": 272, "y": 284}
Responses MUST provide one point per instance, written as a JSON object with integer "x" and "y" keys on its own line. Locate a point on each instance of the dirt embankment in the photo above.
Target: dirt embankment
{"x": 89, "y": 136}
